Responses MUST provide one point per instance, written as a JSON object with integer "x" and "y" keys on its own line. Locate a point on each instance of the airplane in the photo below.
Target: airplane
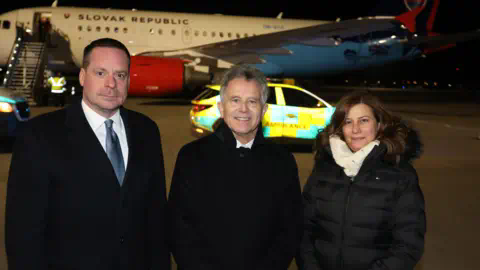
{"x": 171, "y": 51}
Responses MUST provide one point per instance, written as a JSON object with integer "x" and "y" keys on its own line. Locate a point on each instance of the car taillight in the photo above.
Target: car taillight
{"x": 199, "y": 108}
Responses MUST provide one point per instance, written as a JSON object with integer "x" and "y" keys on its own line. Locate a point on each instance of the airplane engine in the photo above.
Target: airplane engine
{"x": 155, "y": 76}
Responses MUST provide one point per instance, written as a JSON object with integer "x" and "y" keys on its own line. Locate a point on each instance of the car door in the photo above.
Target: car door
{"x": 272, "y": 122}
{"x": 304, "y": 114}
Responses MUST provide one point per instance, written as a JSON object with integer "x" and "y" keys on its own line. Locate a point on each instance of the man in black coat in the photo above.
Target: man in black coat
{"x": 81, "y": 196}
{"x": 235, "y": 199}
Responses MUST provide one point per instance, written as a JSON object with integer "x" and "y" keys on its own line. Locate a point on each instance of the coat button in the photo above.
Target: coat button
{"x": 242, "y": 155}
{"x": 122, "y": 240}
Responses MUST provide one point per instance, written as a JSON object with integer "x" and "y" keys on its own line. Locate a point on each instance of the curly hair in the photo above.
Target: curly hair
{"x": 392, "y": 131}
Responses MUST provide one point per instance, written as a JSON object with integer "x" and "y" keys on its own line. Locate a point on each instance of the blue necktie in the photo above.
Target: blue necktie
{"x": 114, "y": 151}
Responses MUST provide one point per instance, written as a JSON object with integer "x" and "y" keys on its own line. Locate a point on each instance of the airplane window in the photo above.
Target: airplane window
{"x": 174, "y": 32}
{"x": 80, "y": 28}
{"x": 107, "y": 29}
{"x": 125, "y": 30}
{"x": 89, "y": 28}
{"x": 299, "y": 99}
{"x": 229, "y": 35}
{"x": 160, "y": 31}
{"x": 205, "y": 33}
{"x": 187, "y": 33}
{"x": 115, "y": 29}
{"x": 6, "y": 25}
{"x": 152, "y": 31}
{"x": 98, "y": 28}
{"x": 238, "y": 35}
{"x": 221, "y": 34}
{"x": 213, "y": 34}
{"x": 197, "y": 33}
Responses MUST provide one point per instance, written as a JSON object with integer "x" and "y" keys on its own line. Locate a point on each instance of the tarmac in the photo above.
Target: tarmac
{"x": 448, "y": 170}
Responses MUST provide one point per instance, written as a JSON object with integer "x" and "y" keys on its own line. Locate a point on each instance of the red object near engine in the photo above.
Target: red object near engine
{"x": 155, "y": 77}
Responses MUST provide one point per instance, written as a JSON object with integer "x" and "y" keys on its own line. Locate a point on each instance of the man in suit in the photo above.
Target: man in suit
{"x": 85, "y": 192}
{"x": 235, "y": 199}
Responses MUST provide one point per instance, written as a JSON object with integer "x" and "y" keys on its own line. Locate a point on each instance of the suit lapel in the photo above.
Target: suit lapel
{"x": 85, "y": 143}
{"x": 132, "y": 144}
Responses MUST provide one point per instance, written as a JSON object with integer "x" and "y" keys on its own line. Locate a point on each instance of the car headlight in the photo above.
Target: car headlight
{"x": 6, "y": 107}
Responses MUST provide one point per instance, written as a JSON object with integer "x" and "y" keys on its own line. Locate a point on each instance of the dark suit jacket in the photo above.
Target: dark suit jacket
{"x": 235, "y": 209}
{"x": 65, "y": 208}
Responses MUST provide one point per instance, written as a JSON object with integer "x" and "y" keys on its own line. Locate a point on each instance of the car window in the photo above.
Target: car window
{"x": 299, "y": 99}
{"x": 207, "y": 93}
{"x": 272, "y": 97}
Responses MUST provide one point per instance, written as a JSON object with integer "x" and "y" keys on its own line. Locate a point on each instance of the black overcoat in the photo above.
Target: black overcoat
{"x": 233, "y": 209}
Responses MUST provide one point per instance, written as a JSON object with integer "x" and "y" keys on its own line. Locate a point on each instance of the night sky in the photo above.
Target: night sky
{"x": 453, "y": 16}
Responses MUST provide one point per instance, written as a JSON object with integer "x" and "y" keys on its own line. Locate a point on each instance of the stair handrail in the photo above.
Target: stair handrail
{"x": 13, "y": 57}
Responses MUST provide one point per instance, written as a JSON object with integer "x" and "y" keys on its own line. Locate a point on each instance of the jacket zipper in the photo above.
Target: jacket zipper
{"x": 345, "y": 211}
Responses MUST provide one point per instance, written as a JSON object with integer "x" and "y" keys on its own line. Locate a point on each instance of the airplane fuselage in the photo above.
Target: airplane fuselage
{"x": 170, "y": 34}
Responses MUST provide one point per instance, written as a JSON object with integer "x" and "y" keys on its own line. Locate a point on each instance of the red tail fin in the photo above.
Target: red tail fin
{"x": 421, "y": 15}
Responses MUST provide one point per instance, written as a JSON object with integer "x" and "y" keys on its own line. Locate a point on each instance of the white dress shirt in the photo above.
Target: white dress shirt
{"x": 97, "y": 123}
{"x": 247, "y": 145}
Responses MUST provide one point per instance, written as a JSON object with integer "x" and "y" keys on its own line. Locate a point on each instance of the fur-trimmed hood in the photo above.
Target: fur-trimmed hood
{"x": 413, "y": 145}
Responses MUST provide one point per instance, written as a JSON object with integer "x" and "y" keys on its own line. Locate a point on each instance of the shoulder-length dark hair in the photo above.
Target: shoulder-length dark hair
{"x": 392, "y": 130}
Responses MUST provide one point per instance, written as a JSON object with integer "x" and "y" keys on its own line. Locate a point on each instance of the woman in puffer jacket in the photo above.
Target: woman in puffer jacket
{"x": 363, "y": 205}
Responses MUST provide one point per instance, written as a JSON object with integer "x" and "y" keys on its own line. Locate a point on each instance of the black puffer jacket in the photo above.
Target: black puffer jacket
{"x": 376, "y": 221}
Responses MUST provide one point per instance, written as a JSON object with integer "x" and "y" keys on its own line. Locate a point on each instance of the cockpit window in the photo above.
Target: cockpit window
{"x": 6, "y": 24}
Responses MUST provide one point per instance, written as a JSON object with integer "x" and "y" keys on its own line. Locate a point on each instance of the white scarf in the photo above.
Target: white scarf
{"x": 345, "y": 158}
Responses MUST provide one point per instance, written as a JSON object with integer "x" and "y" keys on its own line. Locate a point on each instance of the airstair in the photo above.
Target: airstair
{"x": 25, "y": 70}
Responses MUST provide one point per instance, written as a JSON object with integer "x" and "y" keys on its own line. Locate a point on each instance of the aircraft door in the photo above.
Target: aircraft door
{"x": 25, "y": 20}
{"x": 187, "y": 34}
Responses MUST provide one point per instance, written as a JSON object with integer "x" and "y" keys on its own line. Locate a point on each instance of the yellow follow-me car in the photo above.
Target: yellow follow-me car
{"x": 293, "y": 112}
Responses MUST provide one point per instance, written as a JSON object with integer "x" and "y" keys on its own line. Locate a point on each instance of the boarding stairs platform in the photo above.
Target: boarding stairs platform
{"x": 25, "y": 69}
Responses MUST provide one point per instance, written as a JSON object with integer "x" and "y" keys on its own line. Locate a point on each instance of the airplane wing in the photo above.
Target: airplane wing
{"x": 249, "y": 50}
{"x": 444, "y": 39}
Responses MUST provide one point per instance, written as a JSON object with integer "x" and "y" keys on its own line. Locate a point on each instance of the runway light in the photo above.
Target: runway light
{"x": 382, "y": 41}
{"x": 393, "y": 37}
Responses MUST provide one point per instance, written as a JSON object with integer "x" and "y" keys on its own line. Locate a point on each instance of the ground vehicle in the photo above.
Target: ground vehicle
{"x": 293, "y": 112}
{"x": 13, "y": 111}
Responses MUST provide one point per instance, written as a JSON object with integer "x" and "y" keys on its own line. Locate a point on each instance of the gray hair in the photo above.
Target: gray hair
{"x": 248, "y": 73}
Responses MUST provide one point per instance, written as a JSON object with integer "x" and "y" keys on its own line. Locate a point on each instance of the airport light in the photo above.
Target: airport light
{"x": 199, "y": 130}
{"x": 393, "y": 37}
{"x": 382, "y": 41}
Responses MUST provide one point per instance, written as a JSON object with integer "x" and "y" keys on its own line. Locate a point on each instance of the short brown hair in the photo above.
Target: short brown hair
{"x": 104, "y": 43}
